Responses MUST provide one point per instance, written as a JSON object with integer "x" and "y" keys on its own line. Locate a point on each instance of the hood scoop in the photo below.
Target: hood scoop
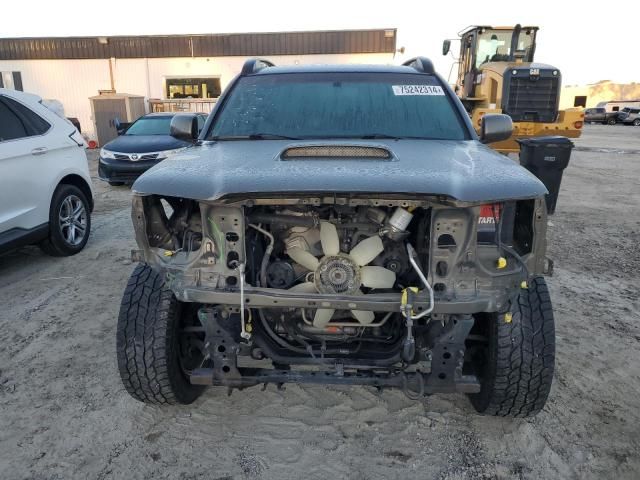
{"x": 330, "y": 152}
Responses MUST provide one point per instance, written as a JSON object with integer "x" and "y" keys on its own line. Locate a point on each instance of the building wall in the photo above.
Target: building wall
{"x": 70, "y": 81}
{"x": 604, "y": 91}
{"x": 74, "y": 81}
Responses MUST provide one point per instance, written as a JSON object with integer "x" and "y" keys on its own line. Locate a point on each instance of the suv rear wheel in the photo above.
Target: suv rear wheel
{"x": 518, "y": 362}
{"x": 155, "y": 354}
{"x": 69, "y": 222}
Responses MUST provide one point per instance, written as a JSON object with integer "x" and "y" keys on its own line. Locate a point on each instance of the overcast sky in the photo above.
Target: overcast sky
{"x": 587, "y": 41}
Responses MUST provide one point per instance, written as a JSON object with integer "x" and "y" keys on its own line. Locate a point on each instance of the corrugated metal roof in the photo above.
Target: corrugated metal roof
{"x": 217, "y": 45}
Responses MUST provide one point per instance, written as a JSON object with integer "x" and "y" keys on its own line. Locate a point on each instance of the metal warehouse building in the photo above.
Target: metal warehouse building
{"x": 177, "y": 72}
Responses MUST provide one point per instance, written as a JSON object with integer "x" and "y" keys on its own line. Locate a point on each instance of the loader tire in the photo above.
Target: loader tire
{"x": 519, "y": 362}
{"x": 148, "y": 344}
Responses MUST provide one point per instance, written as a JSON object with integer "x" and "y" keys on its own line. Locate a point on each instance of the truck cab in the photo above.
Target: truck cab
{"x": 601, "y": 115}
{"x": 490, "y": 51}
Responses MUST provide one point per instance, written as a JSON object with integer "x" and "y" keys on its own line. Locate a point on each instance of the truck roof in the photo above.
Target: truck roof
{"x": 344, "y": 68}
{"x": 489, "y": 27}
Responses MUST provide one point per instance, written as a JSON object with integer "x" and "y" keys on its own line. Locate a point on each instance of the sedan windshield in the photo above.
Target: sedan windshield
{"x": 338, "y": 105}
{"x": 150, "y": 126}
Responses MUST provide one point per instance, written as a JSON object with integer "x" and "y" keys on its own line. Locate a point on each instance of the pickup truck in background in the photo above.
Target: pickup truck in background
{"x": 600, "y": 115}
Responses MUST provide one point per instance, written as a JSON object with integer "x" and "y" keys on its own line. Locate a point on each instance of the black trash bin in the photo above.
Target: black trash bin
{"x": 546, "y": 158}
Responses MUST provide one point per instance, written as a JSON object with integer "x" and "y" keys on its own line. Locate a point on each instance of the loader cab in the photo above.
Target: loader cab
{"x": 483, "y": 45}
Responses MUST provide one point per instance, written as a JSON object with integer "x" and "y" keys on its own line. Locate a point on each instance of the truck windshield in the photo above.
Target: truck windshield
{"x": 495, "y": 45}
{"x": 338, "y": 105}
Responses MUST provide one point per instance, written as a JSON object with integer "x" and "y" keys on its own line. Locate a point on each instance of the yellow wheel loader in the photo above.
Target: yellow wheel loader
{"x": 497, "y": 74}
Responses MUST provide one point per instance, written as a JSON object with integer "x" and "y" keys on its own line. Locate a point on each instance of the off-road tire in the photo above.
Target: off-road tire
{"x": 517, "y": 376}
{"x": 147, "y": 342}
{"x": 55, "y": 243}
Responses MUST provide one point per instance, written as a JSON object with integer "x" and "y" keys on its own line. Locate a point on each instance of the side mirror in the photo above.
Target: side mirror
{"x": 184, "y": 127}
{"x": 446, "y": 46}
{"x": 495, "y": 127}
{"x": 122, "y": 128}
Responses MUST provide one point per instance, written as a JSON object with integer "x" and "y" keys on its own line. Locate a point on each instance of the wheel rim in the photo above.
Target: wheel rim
{"x": 72, "y": 220}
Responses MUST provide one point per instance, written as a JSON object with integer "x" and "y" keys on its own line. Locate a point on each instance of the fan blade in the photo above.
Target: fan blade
{"x": 366, "y": 250}
{"x": 303, "y": 257}
{"x": 329, "y": 238}
{"x": 322, "y": 317}
{"x": 377, "y": 277}
{"x": 306, "y": 287}
{"x": 365, "y": 317}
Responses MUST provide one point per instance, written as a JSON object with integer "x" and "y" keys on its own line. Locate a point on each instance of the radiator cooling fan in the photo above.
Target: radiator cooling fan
{"x": 342, "y": 273}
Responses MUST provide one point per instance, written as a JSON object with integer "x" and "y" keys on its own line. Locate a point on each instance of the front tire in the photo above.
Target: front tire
{"x": 636, "y": 122}
{"x": 518, "y": 363}
{"x": 611, "y": 121}
{"x": 69, "y": 222}
{"x": 150, "y": 343}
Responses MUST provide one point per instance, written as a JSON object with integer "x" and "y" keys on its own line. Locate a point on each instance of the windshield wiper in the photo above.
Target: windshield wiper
{"x": 254, "y": 136}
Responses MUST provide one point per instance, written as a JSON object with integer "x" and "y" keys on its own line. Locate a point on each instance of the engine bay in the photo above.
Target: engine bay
{"x": 340, "y": 251}
{"x": 372, "y": 285}
{"x": 336, "y": 279}
{"x": 333, "y": 251}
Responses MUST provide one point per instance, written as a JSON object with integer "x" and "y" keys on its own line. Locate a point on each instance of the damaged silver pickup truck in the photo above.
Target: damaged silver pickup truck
{"x": 340, "y": 225}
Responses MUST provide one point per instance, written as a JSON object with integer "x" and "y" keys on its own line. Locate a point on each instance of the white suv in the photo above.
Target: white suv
{"x": 45, "y": 187}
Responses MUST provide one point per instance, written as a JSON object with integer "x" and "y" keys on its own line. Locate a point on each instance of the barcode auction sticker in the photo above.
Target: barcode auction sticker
{"x": 417, "y": 90}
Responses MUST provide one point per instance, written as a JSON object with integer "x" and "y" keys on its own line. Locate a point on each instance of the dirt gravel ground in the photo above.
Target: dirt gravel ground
{"x": 65, "y": 415}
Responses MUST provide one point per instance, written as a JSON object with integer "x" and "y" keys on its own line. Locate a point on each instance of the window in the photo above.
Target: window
{"x": 193, "y": 87}
{"x": 35, "y": 124}
{"x": 340, "y": 105}
{"x": 495, "y": 45}
{"x": 11, "y": 80}
{"x": 151, "y": 125}
{"x": 615, "y": 109}
{"x": 11, "y": 127}
{"x": 17, "y": 121}
{"x": 580, "y": 101}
